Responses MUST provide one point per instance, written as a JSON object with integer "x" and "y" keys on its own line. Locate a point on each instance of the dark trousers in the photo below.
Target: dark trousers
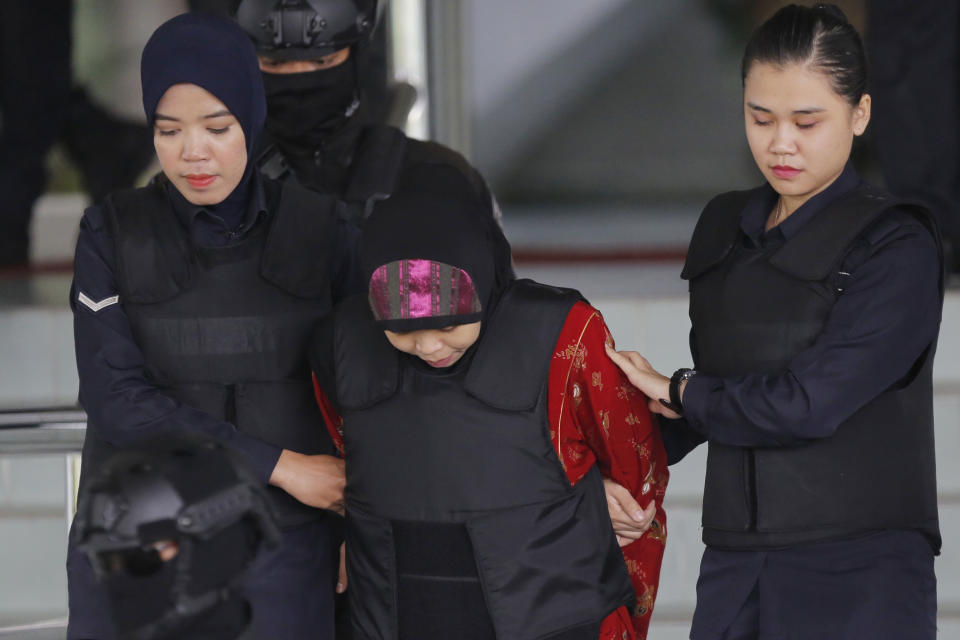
{"x": 879, "y": 586}
{"x": 290, "y": 589}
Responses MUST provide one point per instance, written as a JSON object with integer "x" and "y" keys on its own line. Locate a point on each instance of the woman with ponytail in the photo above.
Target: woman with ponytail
{"x": 815, "y": 305}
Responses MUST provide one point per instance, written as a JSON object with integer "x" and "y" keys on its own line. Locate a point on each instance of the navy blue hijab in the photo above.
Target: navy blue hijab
{"x": 214, "y": 53}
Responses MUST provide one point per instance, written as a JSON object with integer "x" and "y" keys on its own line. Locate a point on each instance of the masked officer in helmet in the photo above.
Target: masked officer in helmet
{"x": 319, "y": 130}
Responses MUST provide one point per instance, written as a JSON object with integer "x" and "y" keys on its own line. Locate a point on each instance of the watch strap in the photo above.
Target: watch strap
{"x": 678, "y": 376}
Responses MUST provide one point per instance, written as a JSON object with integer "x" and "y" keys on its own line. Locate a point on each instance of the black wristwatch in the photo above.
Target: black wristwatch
{"x": 678, "y": 376}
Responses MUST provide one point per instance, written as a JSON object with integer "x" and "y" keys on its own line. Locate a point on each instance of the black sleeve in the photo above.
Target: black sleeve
{"x": 678, "y": 438}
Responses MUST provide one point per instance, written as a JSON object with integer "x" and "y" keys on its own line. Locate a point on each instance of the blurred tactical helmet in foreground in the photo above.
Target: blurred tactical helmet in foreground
{"x": 170, "y": 527}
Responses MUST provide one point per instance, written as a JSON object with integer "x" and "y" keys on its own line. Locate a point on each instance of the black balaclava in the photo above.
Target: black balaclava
{"x": 214, "y": 53}
{"x": 433, "y": 254}
{"x": 304, "y": 109}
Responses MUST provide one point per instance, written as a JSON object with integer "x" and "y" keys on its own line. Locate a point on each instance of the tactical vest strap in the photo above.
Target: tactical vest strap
{"x": 374, "y": 174}
{"x": 716, "y": 232}
{"x": 155, "y": 259}
{"x": 367, "y": 366}
{"x": 818, "y": 249}
{"x": 305, "y": 226}
{"x": 811, "y": 255}
{"x": 272, "y": 164}
{"x": 525, "y": 304}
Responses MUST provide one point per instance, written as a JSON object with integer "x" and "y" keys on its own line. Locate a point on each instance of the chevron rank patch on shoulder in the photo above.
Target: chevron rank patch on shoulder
{"x": 95, "y": 305}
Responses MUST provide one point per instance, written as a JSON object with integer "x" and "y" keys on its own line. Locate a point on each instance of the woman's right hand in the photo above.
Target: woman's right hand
{"x": 316, "y": 480}
{"x": 644, "y": 377}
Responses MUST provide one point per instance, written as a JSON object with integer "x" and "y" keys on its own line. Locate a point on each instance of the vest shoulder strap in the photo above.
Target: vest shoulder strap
{"x": 155, "y": 259}
{"x": 521, "y": 337}
{"x": 716, "y": 232}
{"x": 821, "y": 245}
{"x": 272, "y": 163}
{"x": 373, "y": 176}
{"x": 366, "y": 366}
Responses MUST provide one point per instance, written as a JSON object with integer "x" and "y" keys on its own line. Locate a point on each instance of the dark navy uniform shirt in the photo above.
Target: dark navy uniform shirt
{"x": 887, "y": 315}
{"x": 123, "y": 404}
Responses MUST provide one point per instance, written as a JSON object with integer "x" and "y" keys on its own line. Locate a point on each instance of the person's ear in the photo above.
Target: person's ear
{"x": 861, "y": 115}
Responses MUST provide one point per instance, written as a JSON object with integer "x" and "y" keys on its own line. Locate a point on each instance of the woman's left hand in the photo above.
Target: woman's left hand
{"x": 652, "y": 383}
{"x": 342, "y": 574}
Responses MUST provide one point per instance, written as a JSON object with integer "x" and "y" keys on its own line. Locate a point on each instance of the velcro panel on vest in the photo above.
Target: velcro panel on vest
{"x": 439, "y": 593}
{"x": 366, "y": 364}
{"x": 301, "y": 241}
{"x": 154, "y": 253}
{"x": 376, "y": 166}
{"x": 818, "y": 248}
{"x": 511, "y": 367}
{"x": 716, "y": 232}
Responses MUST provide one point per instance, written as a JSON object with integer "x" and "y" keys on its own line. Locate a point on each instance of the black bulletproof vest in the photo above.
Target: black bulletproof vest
{"x": 225, "y": 329}
{"x": 752, "y": 310}
{"x": 372, "y": 174}
{"x": 472, "y": 448}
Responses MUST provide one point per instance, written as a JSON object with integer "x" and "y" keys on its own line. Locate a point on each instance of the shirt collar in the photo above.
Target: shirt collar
{"x": 753, "y": 220}
{"x": 187, "y": 212}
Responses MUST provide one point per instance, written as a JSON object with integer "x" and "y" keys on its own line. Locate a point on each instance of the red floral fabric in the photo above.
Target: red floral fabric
{"x": 597, "y": 417}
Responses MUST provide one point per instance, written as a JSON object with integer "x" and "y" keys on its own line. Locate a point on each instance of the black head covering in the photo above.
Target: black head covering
{"x": 214, "y": 53}
{"x": 436, "y": 215}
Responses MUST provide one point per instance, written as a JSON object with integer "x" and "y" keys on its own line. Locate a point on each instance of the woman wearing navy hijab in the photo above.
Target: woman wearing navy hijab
{"x": 193, "y": 299}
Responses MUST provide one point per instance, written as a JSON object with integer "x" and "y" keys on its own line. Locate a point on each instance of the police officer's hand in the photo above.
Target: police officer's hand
{"x": 316, "y": 480}
{"x": 630, "y": 522}
{"x": 652, "y": 383}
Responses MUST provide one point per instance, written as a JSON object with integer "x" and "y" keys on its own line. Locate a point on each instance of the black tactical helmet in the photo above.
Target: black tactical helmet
{"x": 307, "y": 29}
{"x": 187, "y": 494}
